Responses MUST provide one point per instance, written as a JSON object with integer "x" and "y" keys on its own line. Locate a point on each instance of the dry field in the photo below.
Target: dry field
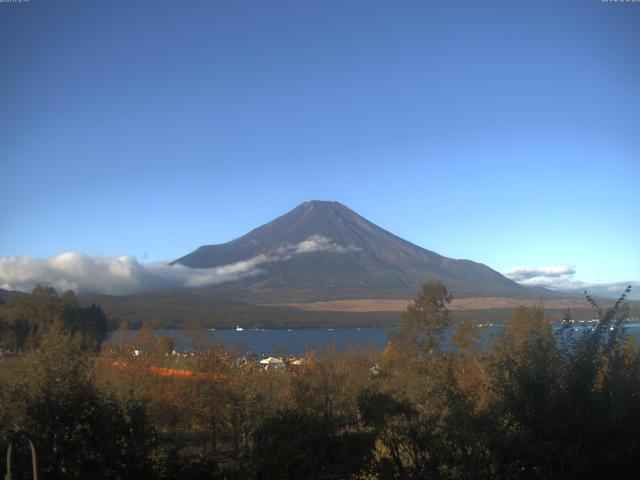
{"x": 391, "y": 305}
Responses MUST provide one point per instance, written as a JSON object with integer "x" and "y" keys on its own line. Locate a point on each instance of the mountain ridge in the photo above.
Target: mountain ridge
{"x": 333, "y": 253}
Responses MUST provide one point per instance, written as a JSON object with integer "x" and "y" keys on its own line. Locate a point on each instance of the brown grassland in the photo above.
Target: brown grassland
{"x": 394, "y": 305}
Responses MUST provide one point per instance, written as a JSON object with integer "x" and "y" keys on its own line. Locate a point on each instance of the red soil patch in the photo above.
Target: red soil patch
{"x": 173, "y": 372}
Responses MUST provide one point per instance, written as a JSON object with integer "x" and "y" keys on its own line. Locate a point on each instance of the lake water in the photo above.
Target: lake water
{"x": 294, "y": 341}
{"x": 299, "y": 341}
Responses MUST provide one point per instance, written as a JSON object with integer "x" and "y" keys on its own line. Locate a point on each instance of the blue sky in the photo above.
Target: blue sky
{"x": 503, "y": 132}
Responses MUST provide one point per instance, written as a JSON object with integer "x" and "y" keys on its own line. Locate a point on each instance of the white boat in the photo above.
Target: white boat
{"x": 239, "y": 328}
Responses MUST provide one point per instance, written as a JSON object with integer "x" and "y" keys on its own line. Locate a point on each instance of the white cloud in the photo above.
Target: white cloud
{"x": 316, "y": 243}
{"x": 562, "y": 278}
{"x": 111, "y": 275}
{"x": 125, "y": 274}
{"x": 522, "y": 274}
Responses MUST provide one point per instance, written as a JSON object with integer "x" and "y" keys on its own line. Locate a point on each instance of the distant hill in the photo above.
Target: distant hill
{"x": 7, "y": 295}
{"x": 325, "y": 251}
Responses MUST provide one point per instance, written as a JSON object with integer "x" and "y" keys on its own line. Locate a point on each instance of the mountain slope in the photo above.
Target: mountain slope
{"x": 323, "y": 250}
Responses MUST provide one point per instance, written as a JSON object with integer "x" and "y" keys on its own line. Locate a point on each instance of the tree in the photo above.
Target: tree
{"x": 79, "y": 431}
{"x": 166, "y": 345}
{"x": 25, "y": 319}
{"x": 146, "y": 339}
{"x": 566, "y": 409}
{"x": 528, "y": 383}
{"x": 425, "y": 320}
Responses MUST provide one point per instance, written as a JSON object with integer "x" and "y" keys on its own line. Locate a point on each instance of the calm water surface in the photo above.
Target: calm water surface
{"x": 298, "y": 341}
{"x": 294, "y": 341}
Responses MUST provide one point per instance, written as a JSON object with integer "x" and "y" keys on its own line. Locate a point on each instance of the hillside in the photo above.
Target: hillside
{"x": 325, "y": 251}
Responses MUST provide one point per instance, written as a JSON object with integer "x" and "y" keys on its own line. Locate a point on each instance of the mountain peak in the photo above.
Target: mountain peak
{"x": 323, "y": 206}
{"x": 312, "y": 203}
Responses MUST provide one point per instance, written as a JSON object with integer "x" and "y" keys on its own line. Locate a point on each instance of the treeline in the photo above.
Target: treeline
{"x": 534, "y": 406}
{"x": 26, "y": 319}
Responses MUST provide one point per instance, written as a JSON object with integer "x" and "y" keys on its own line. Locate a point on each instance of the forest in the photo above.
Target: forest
{"x": 534, "y": 405}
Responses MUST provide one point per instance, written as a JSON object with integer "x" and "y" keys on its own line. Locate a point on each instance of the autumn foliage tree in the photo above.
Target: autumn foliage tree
{"x": 77, "y": 429}
{"x": 445, "y": 400}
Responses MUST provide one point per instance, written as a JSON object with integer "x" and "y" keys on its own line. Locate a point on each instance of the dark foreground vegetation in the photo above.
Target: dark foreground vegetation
{"x": 534, "y": 406}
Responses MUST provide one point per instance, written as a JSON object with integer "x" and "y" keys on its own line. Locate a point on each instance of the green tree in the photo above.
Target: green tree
{"x": 25, "y": 319}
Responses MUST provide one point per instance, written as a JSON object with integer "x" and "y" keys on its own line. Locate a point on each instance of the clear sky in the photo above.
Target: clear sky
{"x": 503, "y": 132}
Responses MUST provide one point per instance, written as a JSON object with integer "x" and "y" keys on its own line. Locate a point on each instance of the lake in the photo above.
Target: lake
{"x": 299, "y": 341}
{"x": 294, "y": 341}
